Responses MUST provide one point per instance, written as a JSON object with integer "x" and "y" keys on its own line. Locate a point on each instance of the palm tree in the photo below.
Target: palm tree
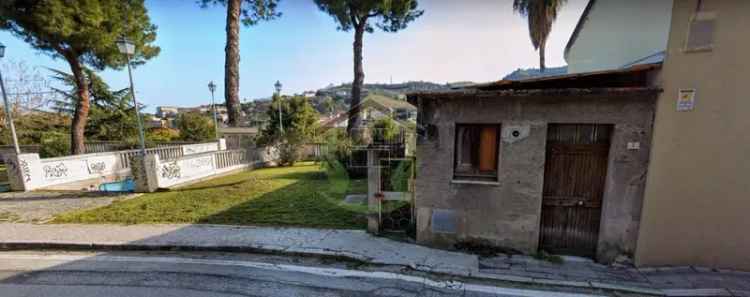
{"x": 540, "y": 14}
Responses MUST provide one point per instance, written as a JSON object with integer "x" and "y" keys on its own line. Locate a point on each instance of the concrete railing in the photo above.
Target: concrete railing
{"x": 158, "y": 173}
{"x": 226, "y": 159}
{"x": 28, "y": 172}
{"x": 164, "y": 153}
{"x": 104, "y": 146}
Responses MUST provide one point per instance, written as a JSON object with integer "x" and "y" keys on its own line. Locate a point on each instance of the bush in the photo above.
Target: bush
{"x": 385, "y": 130}
{"x": 290, "y": 149}
{"x": 161, "y": 135}
{"x": 401, "y": 175}
{"x": 54, "y": 144}
{"x": 339, "y": 144}
{"x": 195, "y": 127}
{"x": 289, "y": 153}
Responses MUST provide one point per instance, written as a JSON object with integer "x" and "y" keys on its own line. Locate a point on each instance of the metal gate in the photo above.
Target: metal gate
{"x": 574, "y": 177}
{"x": 396, "y": 193}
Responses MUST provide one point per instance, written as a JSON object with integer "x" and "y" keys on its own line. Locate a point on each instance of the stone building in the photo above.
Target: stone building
{"x": 556, "y": 163}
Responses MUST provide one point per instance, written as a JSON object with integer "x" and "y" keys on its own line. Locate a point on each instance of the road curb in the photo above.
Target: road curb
{"x": 339, "y": 256}
{"x": 18, "y": 246}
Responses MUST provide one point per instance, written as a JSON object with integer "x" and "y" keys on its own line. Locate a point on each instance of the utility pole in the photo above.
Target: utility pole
{"x": 8, "y": 114}
{"x": 277, "y": 86}
{"x": 212, "y": 88}
{"x": 127, "y": 48}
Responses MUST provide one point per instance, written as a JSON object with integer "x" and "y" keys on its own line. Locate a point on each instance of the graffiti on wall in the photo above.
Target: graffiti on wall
{"x": 20, "y": 168}
{"x": 97, "y": 167}
{"x": 25, "y": 170}
{"x": 200, "y": 163}
{"x": 55, "y": 171}
{"x": 171, "y": 171}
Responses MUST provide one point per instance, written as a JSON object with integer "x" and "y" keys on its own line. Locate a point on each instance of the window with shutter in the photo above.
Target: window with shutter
{"x": 476, "y": 152}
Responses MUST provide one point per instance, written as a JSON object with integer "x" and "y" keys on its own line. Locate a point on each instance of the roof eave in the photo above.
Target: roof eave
{"x": 556, "y": 93}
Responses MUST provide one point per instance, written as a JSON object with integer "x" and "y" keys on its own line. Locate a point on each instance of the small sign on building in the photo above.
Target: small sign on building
{"x": 686, "y": 100}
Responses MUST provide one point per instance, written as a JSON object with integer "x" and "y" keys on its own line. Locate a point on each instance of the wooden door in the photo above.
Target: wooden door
{"x": 574, "y": 176}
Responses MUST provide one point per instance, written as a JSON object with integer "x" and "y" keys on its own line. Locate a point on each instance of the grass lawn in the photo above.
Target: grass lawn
{"x": 302, "y": 195}
{"x": 3, "y": 174}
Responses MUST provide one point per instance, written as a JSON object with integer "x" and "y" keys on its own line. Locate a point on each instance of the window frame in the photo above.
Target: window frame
{"x": 461, "y": 177}
{"x": 699, "y": 16}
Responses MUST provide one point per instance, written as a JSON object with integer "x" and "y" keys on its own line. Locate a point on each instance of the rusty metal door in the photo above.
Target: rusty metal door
{"x": 574, "y": 176}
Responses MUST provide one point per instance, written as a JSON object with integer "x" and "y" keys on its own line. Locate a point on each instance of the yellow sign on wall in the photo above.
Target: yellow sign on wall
{"x": 686, "y": 100}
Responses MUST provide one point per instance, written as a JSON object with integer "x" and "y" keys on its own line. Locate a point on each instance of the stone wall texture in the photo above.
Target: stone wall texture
{"x": 507, "y": 213}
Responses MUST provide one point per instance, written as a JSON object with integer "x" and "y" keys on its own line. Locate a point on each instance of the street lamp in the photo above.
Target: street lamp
{"x": 212, "y": 88}
{"x": 277, "y": 86}
{"x": 127, "y": 48}
{"x": 8, "y": 114}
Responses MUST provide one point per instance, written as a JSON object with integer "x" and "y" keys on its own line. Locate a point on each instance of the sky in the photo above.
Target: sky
{"x": 466, "y": 40}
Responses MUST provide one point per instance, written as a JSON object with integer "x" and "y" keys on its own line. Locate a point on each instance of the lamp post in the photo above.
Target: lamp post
{"x": 277, "y": 86}
{"x": 127, "y": 48}
{"x": 212, "y": 88}
{"x": 8, "y": 114}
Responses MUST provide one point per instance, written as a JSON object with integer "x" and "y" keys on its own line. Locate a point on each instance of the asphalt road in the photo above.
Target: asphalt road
{"x": 132, "y": 274}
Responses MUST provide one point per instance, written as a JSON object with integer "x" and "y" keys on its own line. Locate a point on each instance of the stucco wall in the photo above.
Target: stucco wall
{"x": 697, "y": 203}
{"x": 507, "y": 214}
{"x": 619, "y": 32}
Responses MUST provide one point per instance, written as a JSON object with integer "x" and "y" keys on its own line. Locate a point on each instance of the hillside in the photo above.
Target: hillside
{"x": 340, "y": 95}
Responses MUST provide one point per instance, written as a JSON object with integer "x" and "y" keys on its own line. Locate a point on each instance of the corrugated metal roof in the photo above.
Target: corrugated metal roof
{"x": 626, "y": 77}
{"x": 618, "y": 81}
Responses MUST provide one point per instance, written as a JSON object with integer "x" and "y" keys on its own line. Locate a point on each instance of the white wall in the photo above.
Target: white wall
{"x": 28, "y": 172}
{"x": 619, "y": 32}
{"x": 192, "y": 168}
{"x": 36, "y": 173}
{"x": 185, "y": 169}
{"x": 198, "y": 148}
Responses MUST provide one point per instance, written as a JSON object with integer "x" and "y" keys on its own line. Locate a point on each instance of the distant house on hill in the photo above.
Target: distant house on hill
{"x": 167, "y": 111}
{"x": 339, "y": 120}
{"x": 374, "y": 107}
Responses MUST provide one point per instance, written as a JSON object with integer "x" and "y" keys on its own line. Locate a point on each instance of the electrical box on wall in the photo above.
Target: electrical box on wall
{"x": 513, "y": 133}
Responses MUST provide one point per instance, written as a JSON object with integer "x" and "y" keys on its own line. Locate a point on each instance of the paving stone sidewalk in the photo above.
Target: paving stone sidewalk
{"x": 356, "y": 244}
{"x": 581, "y": 272}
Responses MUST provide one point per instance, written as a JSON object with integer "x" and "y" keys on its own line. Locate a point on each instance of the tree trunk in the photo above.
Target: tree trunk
{"x": 81, "y": 115}
{"x": 359, "y": 79}
{"x": 542, "y": 45}
{"x": 232, "y": 63}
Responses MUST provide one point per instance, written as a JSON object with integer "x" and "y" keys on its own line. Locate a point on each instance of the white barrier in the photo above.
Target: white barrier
{"x": 28, "y": 172}
{"x": 196, "y": 167}
{"x": 185, "y": 169}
